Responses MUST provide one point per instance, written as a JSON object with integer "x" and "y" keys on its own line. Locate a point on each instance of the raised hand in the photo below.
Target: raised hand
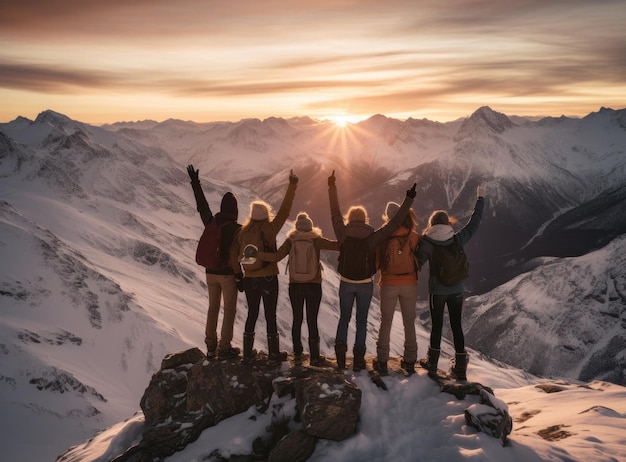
{"x": 331, "y": 179}
{"x": 481, "y": 191}
{"x": 193, "y": 174}
{"x": 412, "y": 192}
{"x": 293, "y": 177}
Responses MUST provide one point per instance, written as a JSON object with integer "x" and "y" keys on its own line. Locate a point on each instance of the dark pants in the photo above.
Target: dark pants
{"x": 299, "y": 294}
{"x": 257, "y": 289}
{"x": 455, "y": 309}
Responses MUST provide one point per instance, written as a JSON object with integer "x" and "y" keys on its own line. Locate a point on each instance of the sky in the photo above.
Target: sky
{"x": 103, "y": 62}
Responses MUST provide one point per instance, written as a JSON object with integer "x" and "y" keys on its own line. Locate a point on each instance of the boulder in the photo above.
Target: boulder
{"x": 329, "y": 405}
{"x": 297, "y": 446}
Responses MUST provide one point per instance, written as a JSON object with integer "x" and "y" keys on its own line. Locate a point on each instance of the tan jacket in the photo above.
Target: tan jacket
{"x": 269, "y": 230}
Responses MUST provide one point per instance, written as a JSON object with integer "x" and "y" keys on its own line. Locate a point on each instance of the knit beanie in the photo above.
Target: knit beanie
{"x": 303, "y": 222}
{"x": 390, "y": 210}
{"x": 259, "y": 211}
{"x": 229, "y": 205}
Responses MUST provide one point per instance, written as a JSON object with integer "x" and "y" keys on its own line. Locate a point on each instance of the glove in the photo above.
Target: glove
{"x": 293, "y": 179}
{"x": 332, "y": 180}
{"x": 481, "y": 190}
{"x": 412, "y": 192}
{"x": 193, "y": 174}
{"x": 239, "y": 281}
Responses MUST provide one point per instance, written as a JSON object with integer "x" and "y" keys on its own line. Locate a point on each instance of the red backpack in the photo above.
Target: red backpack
{"x": 208, "y": 253}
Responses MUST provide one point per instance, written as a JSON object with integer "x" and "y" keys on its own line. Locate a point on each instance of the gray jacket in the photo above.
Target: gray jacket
{"x": 444, "y": 235}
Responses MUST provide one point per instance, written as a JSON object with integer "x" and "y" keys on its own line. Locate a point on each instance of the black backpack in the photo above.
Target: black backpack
{"x": 355, "y": 259}
{"x": 448, "y": 263}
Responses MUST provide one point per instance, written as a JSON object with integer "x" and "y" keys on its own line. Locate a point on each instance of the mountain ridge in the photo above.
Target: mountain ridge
{"x": 100, "y": 227}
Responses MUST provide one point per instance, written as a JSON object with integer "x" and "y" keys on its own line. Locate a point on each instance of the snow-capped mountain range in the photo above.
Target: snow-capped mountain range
{"x": 98, "y": 230}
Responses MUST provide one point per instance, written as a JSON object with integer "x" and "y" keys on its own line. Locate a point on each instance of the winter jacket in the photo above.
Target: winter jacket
{"x": 361, "y": 230}
{"x": 444, "y": 235}
{"x": 319, "y": 243}
{"x": 230, "y": 228}
{"x": 390, "y": 279}
{"x": 269, "y": 230}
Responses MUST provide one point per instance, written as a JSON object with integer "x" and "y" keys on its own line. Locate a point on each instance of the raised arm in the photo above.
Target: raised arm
{"x": 201, "y": 203}
{"x": 394, "y": 223}
{"x": 474, "y": 222}
{"x": 285, "y": 207}
{"x": 335, "y": 211}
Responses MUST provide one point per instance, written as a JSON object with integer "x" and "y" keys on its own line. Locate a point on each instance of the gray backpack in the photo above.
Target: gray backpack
{"x": 303, "y": 263}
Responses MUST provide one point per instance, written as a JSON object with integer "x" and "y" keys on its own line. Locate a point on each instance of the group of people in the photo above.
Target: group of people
{"x": 396, "y": 250}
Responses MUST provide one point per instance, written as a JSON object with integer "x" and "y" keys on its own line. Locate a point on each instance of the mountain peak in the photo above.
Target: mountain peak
{"x": 484, "y": 119}
{"x": 496, "y": 120}
{"x": 51, "y": 117}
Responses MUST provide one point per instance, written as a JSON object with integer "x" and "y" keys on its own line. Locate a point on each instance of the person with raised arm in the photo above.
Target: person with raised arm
{"x": 303, "y": 245}
{"x": 446, "y": 281}
{"x": 220, "y": 276}
{"x": 258, "y": 279}
{"x": 358, "y": 241}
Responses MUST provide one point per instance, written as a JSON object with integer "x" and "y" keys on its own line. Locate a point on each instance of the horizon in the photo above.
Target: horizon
{"x": 343, "y": 61}
{"x": 339, "y": 120}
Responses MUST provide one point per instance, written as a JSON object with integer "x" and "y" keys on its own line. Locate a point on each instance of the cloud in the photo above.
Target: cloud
{"x": 45, "y": 79}
{"x": 381, "y": 57}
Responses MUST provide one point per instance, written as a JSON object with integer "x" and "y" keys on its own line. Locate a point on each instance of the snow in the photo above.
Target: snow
{"x": 413, "y": 420}
{"x": 96, "y": 290}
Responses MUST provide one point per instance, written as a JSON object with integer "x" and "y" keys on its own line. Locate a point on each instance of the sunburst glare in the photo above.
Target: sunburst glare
{"x": 341, "y": 120}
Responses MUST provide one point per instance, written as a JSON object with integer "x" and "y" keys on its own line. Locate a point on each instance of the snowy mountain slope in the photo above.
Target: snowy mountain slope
{"x": 565, "y": 318}
{"x": 76, "y": 347}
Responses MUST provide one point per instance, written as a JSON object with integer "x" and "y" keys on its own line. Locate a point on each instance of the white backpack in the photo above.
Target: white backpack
{"x": 303, "y": 262}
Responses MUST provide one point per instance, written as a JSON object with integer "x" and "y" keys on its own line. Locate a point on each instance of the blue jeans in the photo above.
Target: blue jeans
{"x": 348, "y": 293}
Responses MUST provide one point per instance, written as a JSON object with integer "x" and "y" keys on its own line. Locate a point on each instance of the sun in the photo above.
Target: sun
{"x": 341, "y": 120}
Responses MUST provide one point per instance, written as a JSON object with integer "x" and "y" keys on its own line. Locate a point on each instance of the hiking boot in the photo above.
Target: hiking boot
{"x": 359, "y": 358}
{"x": 458, "y": 366}
{"x": 314, "y": 347}
{"x": 210, "y": 354}
{"x": 340, "y": 354}
{"x": 276, "y": 359}
{"x": 275, "y": 356}
{"x": 297, "y": 353}
{"x": 430, "y": 363}
{"x": 320, "y": 361}
{"x": 248, "y": 342}
{"x": 381, "y": 367}
{"x": 228, "y": 353}
{"x": 408, "y": 366}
